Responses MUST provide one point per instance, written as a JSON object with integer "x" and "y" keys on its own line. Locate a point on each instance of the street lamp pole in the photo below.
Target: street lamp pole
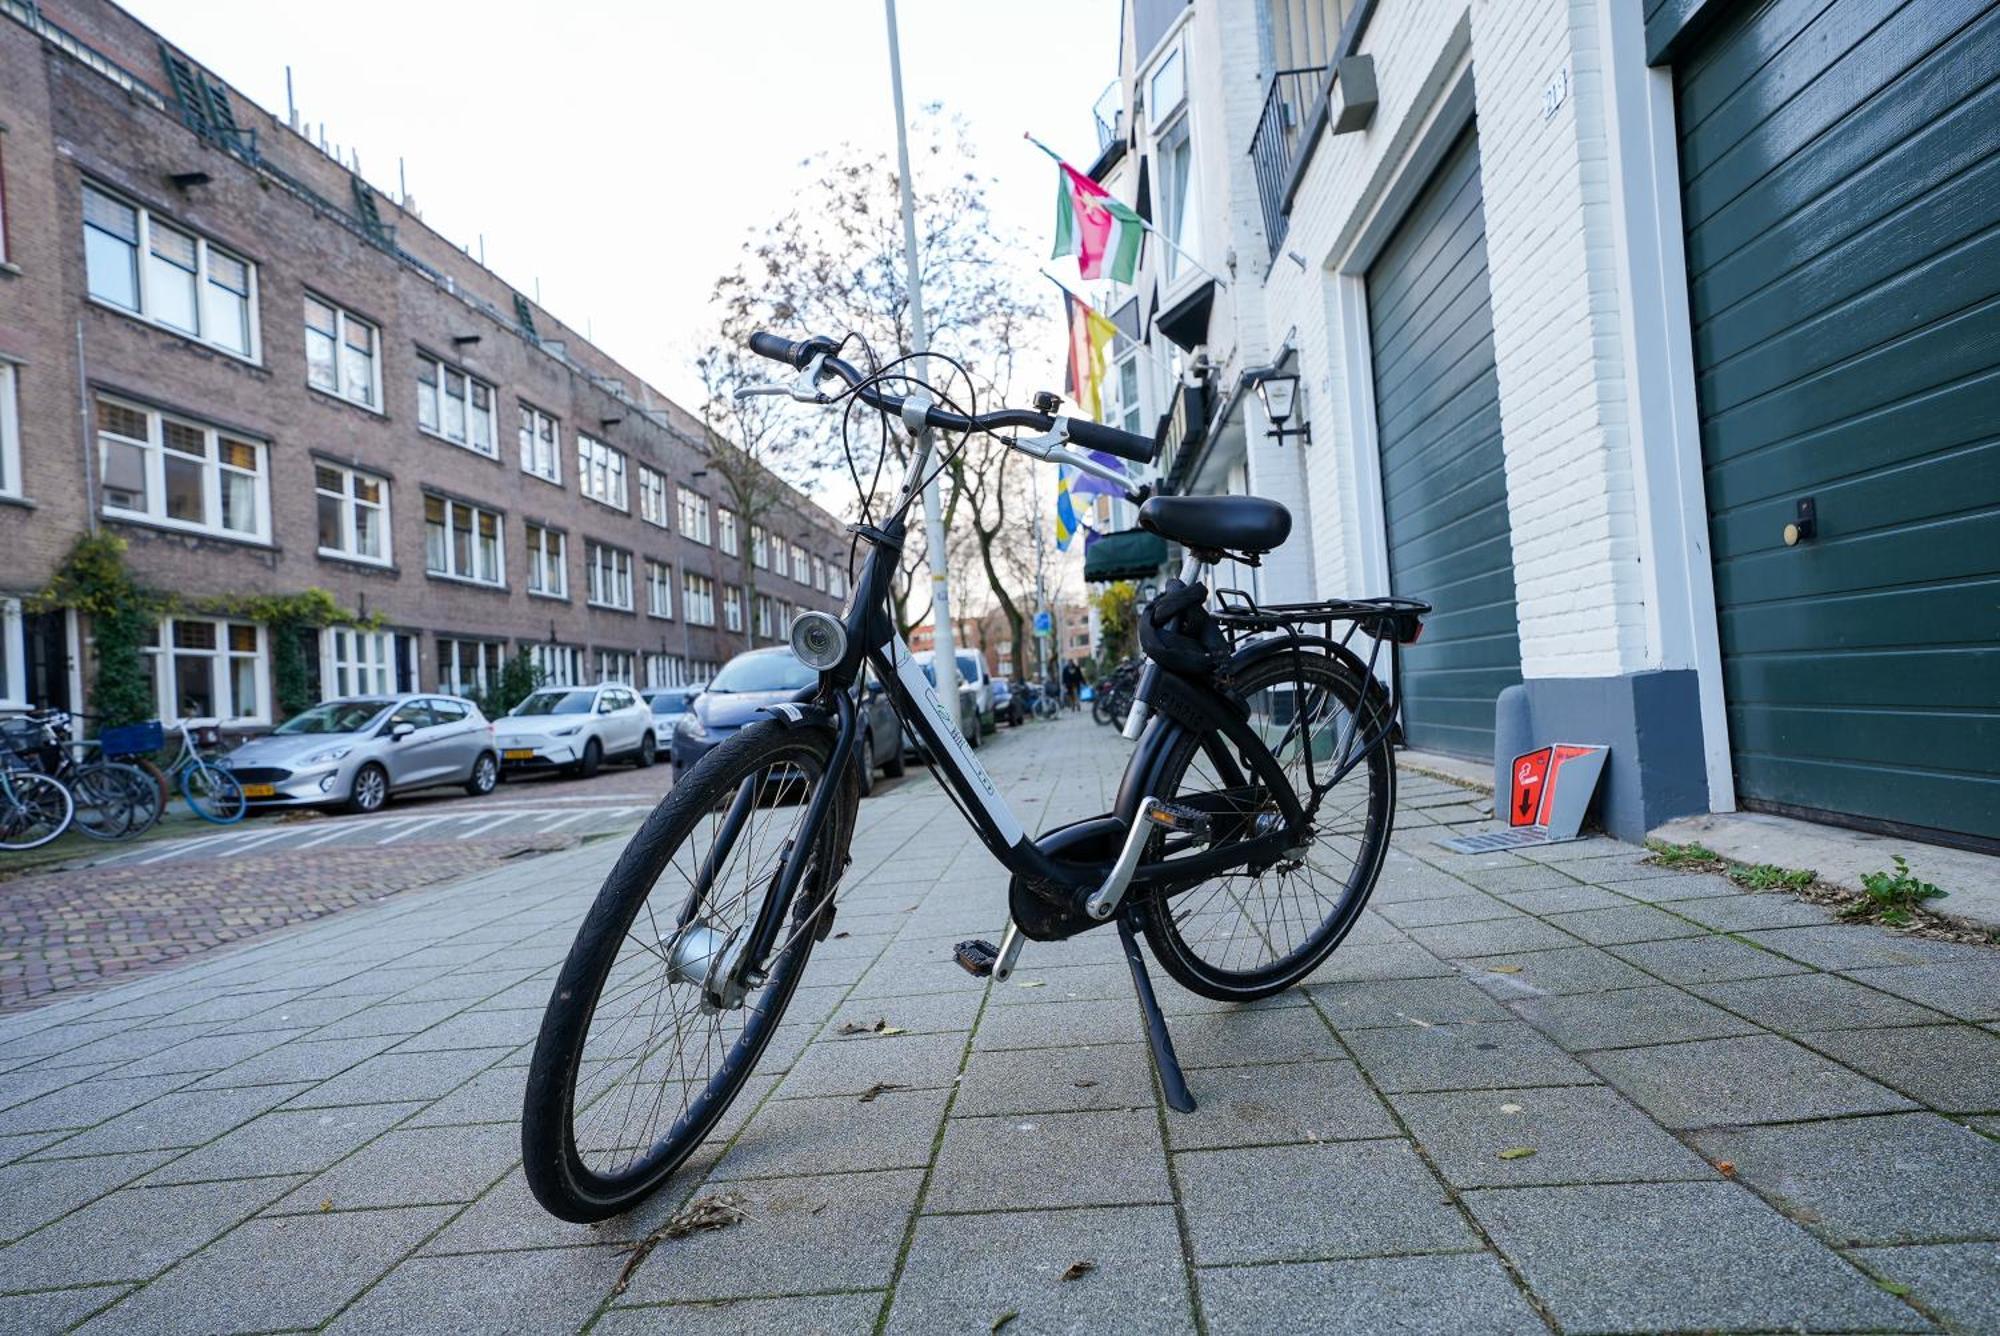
{"x": 944, "y": 663}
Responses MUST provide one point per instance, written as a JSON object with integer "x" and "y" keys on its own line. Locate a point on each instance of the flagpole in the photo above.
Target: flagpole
{"x": 1146, "y": 223}
{"x": 944, "y": 662}
{"x": 1075, "y": 296}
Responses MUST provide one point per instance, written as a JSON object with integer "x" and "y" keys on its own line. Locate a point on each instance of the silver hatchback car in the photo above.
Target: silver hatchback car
{"x": 358, "y": 750}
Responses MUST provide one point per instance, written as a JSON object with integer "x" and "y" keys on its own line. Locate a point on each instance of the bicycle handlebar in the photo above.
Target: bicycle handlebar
{"x": 1092, "y": 435}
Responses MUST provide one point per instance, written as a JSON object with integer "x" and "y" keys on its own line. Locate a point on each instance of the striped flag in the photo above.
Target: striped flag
{"x": 1090, "y": 335}
{"x": 1066, "y": 521}
{"x": 1103, "y": 233}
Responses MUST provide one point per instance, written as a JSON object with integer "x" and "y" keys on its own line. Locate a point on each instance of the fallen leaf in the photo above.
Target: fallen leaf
{"x": 890, "y": 1029}
{"x": 1510, "y": 1108}
{"x": 880, "y": 1087}
{"x": 856, "y": 1027}
{"x": 1517, "y": 1152}
{"x": 842, "y": 933}
{"x": 1079, "y": 1269}
{"x": 326, "y": 1204}
{"x": 1727, "y": 1168}
{"x": 1031, "y": 983}
{"x": 716, "y": 1211}
{"x": 1084, "y": 1084}
{"x": 1503, "y": 969}
{"x": 1004, "y": 1319}
{"x": 1893, "y": 1287}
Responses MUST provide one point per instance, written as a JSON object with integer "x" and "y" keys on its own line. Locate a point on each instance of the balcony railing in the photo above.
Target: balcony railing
{"x": 1274, "y": 149}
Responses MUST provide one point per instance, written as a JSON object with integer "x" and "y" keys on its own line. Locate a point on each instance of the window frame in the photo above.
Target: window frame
{"x": 13, "y": 656}
{"x": 540, "y": 560}
{"x": 659, "y": 589}
{"x": 1177, "y": 214}
{"x": 726, "y": 536}
{"x": 342, "y": 318}
{"x": 348, "y": 650}
{"x": 595, "y": 572}
{"x": 451, "y": 506}
{"x": 697, "y": 598}
{"x": 436, "y": 427}
{"x": 154, "y": 463}
{"x": 162, "y": 663}
{"x": 732, "y": 608}
{"x": 488, "y": 661}
{"x": 530, "y": 420}
{"x": 760, "y": 547}
{"x": 550, "y": 655}
{"x": 692, "y": 509}
{"x": 11, "y": 482}
{"x": 147, "y": 309}
{"x": 653, "y": 497}
{"x": 350, "y": 508}
{"x": 589, "y": 466}
{"x": 615, "y": 658}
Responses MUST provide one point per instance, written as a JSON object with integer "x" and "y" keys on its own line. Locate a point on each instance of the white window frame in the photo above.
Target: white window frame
{"x": 558, "y": 665}
{"x": 836, "y": 581}
{"x": 351, "y": 505}
{"x": 600, "y": 473}
{"x": 11, "y": 483}
{"x": 605, "y": 565}
{"x": 615, "y": 666}
{"x": 801, "y": 569}
{"x": 697, "y": 599}
{"x": 819, "y": 574}
{"x": 732, "y": 607}
{"x": 765, "y": 611}
{"x": 665, "y": 670}
{"x": 498, "y": 578}
{"x": 653, "y": 497}
{"x": 488, "y": 658}
{"x": 142, "y": 256}
{"x": 693, "y": 507}
{"x": 353, "y": 662}
{"x": 166, "y": 683}
{"x": 1180, "y": 221}
{"x": 659, "y": 589}
{"x": 545, "y": 559}
{"x": 434, "y": 393}
{"x": 13, "y": 657}
{"x": 537, "y": 429}
{"x": 760, "y": 547}
{"x": 725, "y": 532}
{"x": 344, "y": 387}
{"x": 155, "y": 464}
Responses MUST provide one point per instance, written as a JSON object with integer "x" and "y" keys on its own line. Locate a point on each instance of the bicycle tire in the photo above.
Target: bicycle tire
{"x": 120, "y": 800}
{"x": 1179, "y": 923}
{"x": 38, "y": 810}
{"x": 213, "y": 794}
{"x": 557, "y": 1166}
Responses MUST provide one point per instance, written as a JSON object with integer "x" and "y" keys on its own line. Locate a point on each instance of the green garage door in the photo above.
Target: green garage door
{"x": 1444, "y": 487}
{"x": 1841, "y": 189}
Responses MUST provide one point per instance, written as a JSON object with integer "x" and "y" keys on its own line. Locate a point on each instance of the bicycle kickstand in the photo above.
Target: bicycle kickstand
{"x": 1164, "y": 1060}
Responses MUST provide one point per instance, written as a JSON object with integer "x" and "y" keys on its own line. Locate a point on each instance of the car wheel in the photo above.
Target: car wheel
{"x": 648, "y": 750}
{"x": 371, "y": 790}
{"x": 972, "y": 736}
{"x": 897, "y": 762}
{"x": 593, "y": 757}
{"x": 867, "y": 764}
{"x": 485, "y": 776}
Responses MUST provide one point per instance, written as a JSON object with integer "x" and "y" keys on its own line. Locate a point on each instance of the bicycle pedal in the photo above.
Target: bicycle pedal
{"x": 976, "y": 956}
{"x": 1175, "y": 817}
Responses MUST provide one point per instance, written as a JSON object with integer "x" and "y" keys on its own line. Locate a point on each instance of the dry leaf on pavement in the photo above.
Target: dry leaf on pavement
{"x": 715, "y": 1211}
{"x": 1079, "y": 1269}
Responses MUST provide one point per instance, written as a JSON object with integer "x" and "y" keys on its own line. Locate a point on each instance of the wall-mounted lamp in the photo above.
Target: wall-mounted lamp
{"x": 1279, "y": 393}
{"x": 464, "y": 340}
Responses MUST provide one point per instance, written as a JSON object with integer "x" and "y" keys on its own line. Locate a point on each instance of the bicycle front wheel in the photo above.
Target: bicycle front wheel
{"x": 213, "y": 794}
{"x": 1255, "y": 931}
{"x": 114, "y": 802}
{"x": 34, "y": 809}
{"x": 638, "y": 1058}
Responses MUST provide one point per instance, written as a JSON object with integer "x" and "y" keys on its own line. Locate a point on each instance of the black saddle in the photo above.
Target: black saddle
{"x": 1218, "y": 523}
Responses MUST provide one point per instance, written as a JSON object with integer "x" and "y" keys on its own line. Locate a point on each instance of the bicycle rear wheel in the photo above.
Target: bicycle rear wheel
{"x": 636, "y": 1063}
{"x": 114, "y": 802}
{"x": 34, "y": 809}
{"x": 1256, "y": 931}
{"x": 213, "y": 794}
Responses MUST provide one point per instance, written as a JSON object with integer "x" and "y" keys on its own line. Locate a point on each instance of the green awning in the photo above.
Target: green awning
{"x": 1129, "y": 554}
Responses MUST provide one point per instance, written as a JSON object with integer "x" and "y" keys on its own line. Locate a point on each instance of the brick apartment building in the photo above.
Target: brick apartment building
{"x": 221, "y": 345}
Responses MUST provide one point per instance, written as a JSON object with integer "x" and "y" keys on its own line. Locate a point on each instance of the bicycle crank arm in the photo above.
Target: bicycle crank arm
{"x": 1103, "y": 902}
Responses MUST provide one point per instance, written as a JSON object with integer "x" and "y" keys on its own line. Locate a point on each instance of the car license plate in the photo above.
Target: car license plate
{"x": 260, "y": 790}
{"x": 520, "y": 754}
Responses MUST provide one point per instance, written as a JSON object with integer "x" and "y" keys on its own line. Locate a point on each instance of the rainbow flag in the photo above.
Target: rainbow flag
{"x": 1090, "y": 335}
{"x": 1066, "y": 521}
{"x": 1103, "y": 234}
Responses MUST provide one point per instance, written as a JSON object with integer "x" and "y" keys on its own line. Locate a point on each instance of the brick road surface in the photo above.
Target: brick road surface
{"x": 1743, "y": 1115}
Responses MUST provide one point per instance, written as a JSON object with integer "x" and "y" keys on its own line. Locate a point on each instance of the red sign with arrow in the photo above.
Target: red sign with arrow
{"x": 1531, "y": 775}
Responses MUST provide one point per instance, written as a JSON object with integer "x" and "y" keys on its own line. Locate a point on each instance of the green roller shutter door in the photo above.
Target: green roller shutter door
{"x": 1444, "y": 484}
{"x": 1841, "y": 190}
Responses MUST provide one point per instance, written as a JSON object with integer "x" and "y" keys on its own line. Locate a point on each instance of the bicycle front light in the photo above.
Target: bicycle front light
{"x": 818, "y": 639}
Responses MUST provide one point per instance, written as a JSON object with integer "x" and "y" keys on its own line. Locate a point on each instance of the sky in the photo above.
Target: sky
{"x": 616, "y": 154}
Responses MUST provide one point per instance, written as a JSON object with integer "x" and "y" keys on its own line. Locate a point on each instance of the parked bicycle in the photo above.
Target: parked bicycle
{"x": 212, "y": 793}
{"x": 1247, "y": 835}
{"x": 1115, "y": 690}
{"x": 112, "y": 800}
{"x": 34, "y": 808}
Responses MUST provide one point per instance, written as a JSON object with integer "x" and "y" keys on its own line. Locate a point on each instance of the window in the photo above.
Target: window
{"x": 615, "y": 665}
{"x": 3, "y": 233}
{"x": 357, "y": 663}
{"x": 209, "y": 670}
{"x": 665, "y": 670}
{"x": 13, "y": 657}
{"x": 659, "y": 589}
{"x": 760, "y": 548}
{"x": 455, "y": 406}
{"x": 547, "y": 572}
{"x": 697, "y": 599}
{"x": 341, "y": 354}
{"x": 468, "y": 666}
{"x": 1177, "y": 212}
{"x": 694, "y": 516}
{"x": 725, "y": 531}
{"x": 556, "y": 665}
{"x": 175, "y": 279}
{"x": 609, "y": 570}
{"x": 174, "y": 471}
{"x": 541, "y": 437}
{"x": 836, "y": 582}
{"x": 461, "y": 542}
{"x": 600, "y": 472}
{"x": 764, "y": 616}
{"x": 819, "y": 575}
{"x": 1303, "y": 34}
{"x": 353, "y": 513}
{"x": 1168, "y": 87}
{"x": 10, "y": 431}
{"x": 732, "y": 607}
{"x": 801, "y": 570}
{"x": 652, "y": 497}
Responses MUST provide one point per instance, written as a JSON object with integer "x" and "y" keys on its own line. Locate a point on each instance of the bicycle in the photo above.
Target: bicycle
{"x": 112, "y": 800}
{"x": 34, "y": 808}
{"x": 1247, "y": 835}
{"x": 212, "y": 793}
{"x": 1113, "y": 701}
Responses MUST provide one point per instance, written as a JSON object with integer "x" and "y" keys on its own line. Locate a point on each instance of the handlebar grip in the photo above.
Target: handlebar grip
{"x": 795, "y": 353}
{"x": 1125, "y": 444}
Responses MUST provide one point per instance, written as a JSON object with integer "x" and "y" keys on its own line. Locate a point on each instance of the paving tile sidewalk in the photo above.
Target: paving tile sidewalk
{"x": 1743, "y": 1115}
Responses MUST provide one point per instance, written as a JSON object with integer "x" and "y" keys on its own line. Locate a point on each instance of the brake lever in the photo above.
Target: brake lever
{"x": 805, "y": 389}
{"x": 1050, "y": 446}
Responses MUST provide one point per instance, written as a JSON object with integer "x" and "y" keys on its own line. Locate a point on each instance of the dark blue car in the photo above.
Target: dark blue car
{"x": 761, "y": 677}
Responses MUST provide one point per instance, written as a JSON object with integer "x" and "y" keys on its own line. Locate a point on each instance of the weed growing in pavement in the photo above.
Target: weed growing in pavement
{"x": 1771, "y": 877}
{"x": 1892, "y": 895}
{"x": 1691, "y": 857}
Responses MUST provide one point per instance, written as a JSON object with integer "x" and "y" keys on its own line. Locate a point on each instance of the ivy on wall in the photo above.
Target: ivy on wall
{"x": 95, "y": 581}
